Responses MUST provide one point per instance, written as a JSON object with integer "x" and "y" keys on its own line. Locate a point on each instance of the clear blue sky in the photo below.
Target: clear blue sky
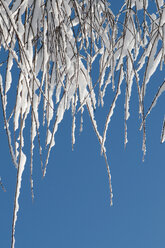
{"x": 71, "y": 206}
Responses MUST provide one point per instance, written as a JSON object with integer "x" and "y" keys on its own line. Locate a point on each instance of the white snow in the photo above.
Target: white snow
{"x": 163, "y": 132}
{"x": 54, "y": 66}
{"x": 19, "y": 179}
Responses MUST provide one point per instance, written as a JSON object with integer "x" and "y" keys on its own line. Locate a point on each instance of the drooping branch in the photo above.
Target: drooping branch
{"x": 66, "y": 54}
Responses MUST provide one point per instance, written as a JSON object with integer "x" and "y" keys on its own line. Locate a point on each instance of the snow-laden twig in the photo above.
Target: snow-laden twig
{"x": 67, "y": 54}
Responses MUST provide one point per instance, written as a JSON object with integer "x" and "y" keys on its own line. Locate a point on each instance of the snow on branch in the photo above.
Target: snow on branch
{"x": 64, "y": 54}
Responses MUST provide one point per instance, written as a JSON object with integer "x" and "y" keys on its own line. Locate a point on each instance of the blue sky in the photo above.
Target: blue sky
{"x": 71, "y": 205}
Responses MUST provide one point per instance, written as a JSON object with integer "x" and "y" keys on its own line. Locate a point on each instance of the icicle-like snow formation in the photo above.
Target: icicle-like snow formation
{"x": 163, "y": 132}
{"x": 18, "y": 187}
{"x": 65, "y": 55}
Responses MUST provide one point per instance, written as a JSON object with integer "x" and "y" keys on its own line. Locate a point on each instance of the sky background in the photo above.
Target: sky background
{"x": 71, "y": 206}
